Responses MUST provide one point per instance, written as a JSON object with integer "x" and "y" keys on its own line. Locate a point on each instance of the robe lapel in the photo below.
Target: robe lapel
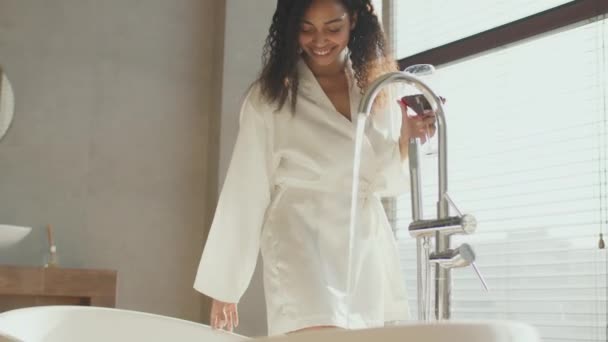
{"x": 310, "y": 87}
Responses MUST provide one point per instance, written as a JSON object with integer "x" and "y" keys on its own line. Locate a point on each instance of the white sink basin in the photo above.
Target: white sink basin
{"x": 10, "y": 235}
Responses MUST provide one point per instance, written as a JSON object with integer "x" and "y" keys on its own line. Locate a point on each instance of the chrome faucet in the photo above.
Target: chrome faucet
{"x": 445, "y": 225}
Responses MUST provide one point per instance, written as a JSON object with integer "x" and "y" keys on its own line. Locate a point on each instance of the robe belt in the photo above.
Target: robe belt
{"x": 366, "y": 196}
{"x": 366, "y": 189}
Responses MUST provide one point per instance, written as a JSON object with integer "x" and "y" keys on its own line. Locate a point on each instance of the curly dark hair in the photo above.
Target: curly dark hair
{"x": 368, "y": 53}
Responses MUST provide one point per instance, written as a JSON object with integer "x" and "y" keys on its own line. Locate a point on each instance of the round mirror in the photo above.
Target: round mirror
{"x": 7, "y": 104}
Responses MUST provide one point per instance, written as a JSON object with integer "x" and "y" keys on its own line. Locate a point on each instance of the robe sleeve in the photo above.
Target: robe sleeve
{"x": 395, "y": 172}
{"x": 232, "y": 247}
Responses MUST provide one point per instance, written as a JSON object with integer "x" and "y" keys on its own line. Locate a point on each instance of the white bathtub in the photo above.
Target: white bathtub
{"x": 91, "y": 324}
{"x": 447, "y": 331}
{"x": 94, "y": 324}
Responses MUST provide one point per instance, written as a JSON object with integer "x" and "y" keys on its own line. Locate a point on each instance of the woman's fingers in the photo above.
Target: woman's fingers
{"x": 220, "y": 316}
{"x": 235, "y": 316}
{"x": 418, "y": 126}
{"x": 213, "y": 315}
{"x": 430, "y": 121}
{"x": 217, "y": 322}
{"x": 432, "y": 130}
{"x": 214, "y": 322}
{"x": 403, "y": 107}
{"x": 423, "y": 126}
{"x": 226, "y": 318}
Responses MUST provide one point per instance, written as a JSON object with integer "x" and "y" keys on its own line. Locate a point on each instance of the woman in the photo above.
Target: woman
{"x": 288, "y": 188}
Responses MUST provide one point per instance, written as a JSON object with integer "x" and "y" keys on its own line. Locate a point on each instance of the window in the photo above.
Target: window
{"x": 422, "y": 25}
{"x": 528, "y": 156}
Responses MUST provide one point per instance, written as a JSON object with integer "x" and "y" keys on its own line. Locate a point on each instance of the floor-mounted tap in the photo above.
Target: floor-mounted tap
{"x": 443, "y": 226}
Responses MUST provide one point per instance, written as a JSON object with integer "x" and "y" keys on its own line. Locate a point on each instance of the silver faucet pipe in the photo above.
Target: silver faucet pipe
{"x": 422, "y": 271}
{"x": 415, "y": 175}
{"x": 442, "y": 276}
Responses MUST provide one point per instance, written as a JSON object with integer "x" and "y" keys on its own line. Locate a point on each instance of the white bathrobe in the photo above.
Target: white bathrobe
{"x": 288, "y": 193}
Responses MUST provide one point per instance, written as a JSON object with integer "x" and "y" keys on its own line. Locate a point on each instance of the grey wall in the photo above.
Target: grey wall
{"x": 247, "y": 23}
{"x": 115, "y": 139}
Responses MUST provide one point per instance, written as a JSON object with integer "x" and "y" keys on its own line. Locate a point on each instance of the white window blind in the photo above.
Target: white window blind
{"x": 528, "y": 155}
{"x": 422, "y": 25}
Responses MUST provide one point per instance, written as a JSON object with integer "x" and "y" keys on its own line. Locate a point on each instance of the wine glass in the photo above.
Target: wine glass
{"x": 426, "y": 73}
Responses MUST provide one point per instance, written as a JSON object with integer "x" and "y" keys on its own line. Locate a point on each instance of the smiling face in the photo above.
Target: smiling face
{"x": 325, "y": 31}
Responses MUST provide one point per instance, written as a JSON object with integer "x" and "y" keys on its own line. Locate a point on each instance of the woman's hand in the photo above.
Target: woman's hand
{"x": 224, "y": 315}
{"x": 416, "y": 126}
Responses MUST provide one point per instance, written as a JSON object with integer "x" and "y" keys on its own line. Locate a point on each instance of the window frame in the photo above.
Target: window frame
{"x": 572, "y": 13}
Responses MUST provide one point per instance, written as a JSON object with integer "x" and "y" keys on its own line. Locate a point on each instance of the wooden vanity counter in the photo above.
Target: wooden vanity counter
{"x": 36, "y": 286}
